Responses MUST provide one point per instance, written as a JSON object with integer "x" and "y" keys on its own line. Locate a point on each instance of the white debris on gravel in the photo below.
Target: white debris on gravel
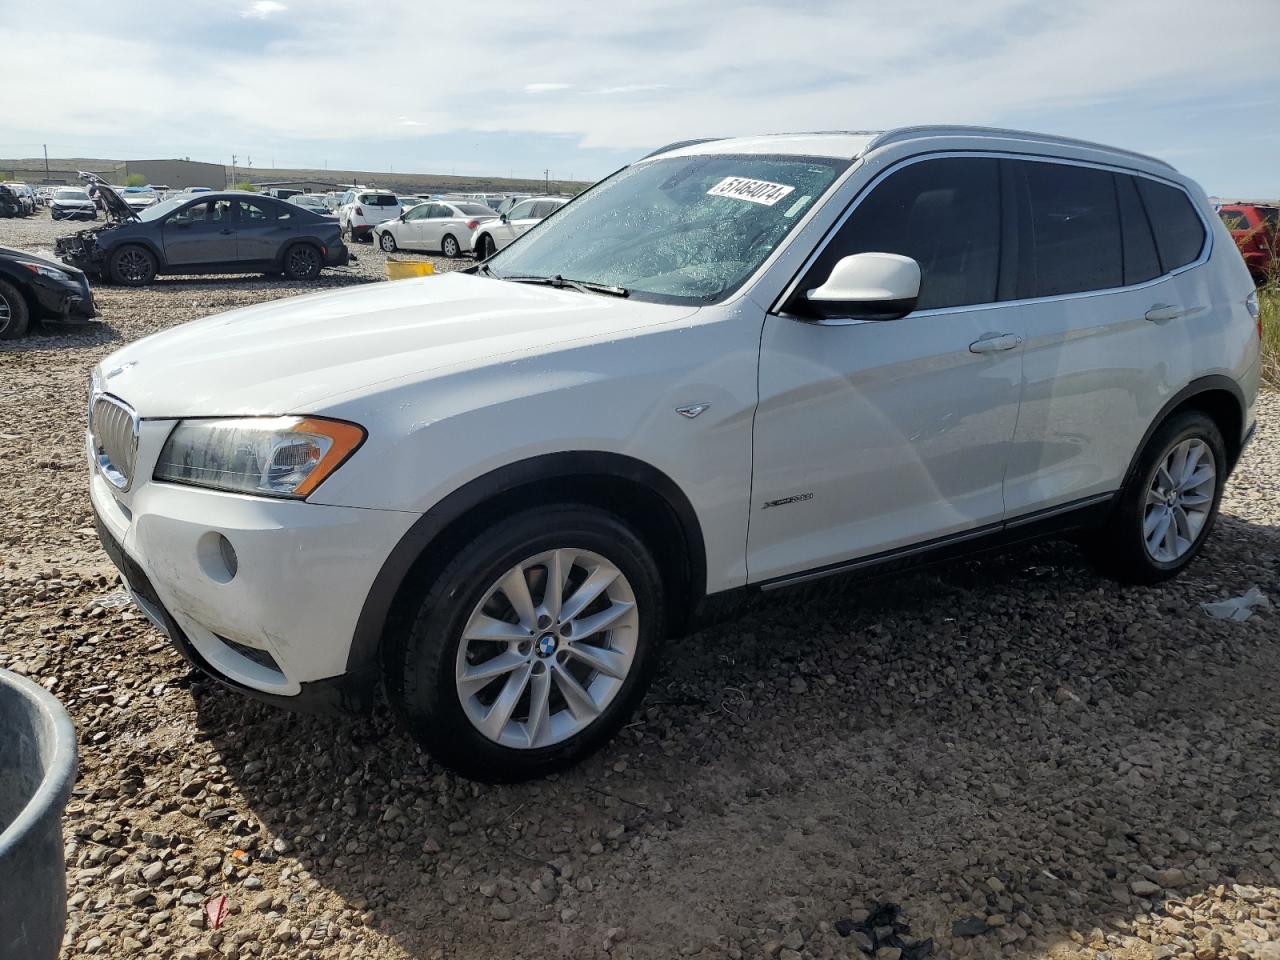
{"x": 1024, "y": 758}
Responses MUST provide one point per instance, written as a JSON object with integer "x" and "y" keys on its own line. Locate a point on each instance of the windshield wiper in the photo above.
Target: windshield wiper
{"x": 582, "y": 286}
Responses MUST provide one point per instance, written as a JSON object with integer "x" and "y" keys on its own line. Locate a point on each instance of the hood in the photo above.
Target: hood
{"x": 71, "y": 202}
{"x": 8, "y": 253}
{"x": 115, "y": 206}
{"x": 298, "y": 354}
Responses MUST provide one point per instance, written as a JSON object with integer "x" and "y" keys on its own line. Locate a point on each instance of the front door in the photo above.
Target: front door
{"x": 200, "y": 234}
{"x": 872, "y": 436}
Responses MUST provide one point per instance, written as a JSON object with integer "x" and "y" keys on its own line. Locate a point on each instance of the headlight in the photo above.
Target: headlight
{"x": 267, "y": 456}
{"x": 53, "y": 273}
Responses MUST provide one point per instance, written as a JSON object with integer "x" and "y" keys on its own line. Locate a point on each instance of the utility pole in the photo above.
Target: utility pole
{"x": 547, "y": 174}
{"x": 232, "y": 181}
{"x": 46, "y": 160}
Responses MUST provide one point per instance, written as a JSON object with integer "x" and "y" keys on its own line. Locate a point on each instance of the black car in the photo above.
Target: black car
{"x": 228, "y": 232}
{"x": 10, "y": 202}
{"x": 32, "y": 287}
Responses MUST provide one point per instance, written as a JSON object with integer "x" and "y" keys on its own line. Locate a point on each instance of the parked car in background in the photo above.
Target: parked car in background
{"x": 732, "y": 367}
{"x": 434, "y": 225}
{"x": 72, "y": 203}
{"x": 227, "y": 232}
{"x": 1255, "y": 228}
{"x": 10, "y": 203}
{"x": 198, "y": 190}
{"x": 310, "y": 201}
{"x": 138, "y": 198}
{"x": 491, "y": 236}
{"x": 408, "y": 201}
{"x": 26, "y": 196}
{"x": 365, "y": 210}
{"x": 35, "y": 288}
{"x": 506, "y": 203}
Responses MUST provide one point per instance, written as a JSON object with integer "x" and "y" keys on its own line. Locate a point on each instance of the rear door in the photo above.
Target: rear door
{"x": 1105, "y": 320}
{"x": 263, "y": 228}
{"x": 200, "y": 234}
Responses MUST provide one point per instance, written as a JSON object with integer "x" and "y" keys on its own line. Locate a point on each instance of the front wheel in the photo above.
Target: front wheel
{"x": 1169, "y": 504}
{"x": 532, "y": 646}
{"x": 387, "y": 242}
{"x": 14, "y": 315}
{"x": 133, "y": 266}
{"x": 487, "y": 247}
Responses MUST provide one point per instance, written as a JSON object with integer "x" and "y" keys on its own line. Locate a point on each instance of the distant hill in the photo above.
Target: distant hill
{"x": 32, "y": 170}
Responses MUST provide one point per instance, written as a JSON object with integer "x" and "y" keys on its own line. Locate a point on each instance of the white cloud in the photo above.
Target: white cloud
{"x": 627, "y": 78}
{"x": 262, "y": 9}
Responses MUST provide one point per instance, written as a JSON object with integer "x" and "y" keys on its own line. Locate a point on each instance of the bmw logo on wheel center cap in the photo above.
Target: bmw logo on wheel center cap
{"x": 546, "y": 645}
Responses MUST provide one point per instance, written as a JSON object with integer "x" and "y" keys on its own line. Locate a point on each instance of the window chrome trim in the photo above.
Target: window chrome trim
{"x": 1206, "y": 249}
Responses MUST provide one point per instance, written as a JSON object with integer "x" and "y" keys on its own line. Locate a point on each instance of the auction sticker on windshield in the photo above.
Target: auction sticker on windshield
{"x": 755, "y": 191}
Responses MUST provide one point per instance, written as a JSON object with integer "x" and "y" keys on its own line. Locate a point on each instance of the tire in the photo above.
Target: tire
{"x": 133, "y": 265}
{"x": 302, "y": 261}
{"x": 449, "y": 246}
{"x": 421, "y": 662}
{"x": 14, "y": 315}
{"x": 1148, "y": 500}
{"x": 487, "y": 247}
{"x": 387, "y": 242}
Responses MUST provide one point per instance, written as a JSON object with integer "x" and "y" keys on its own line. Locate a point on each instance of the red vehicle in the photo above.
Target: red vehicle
{"x": 1253, "y": 226}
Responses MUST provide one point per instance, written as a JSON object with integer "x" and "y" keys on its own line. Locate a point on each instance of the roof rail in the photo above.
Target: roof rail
{"x": 936, "y": 130}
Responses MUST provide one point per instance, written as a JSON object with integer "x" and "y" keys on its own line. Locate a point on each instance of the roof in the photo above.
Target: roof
{"x": 851, "y": 144}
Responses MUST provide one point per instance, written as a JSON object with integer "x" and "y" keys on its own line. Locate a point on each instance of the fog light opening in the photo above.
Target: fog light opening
{"x": 217, "y": 557}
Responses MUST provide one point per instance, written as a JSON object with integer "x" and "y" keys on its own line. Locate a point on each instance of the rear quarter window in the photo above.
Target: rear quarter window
{"x": 1179, "y": 233}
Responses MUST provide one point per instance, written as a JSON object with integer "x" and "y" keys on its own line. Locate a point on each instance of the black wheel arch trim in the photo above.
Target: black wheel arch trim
{"x": 1209, "y": 384}
{"x": 379, "y": 601}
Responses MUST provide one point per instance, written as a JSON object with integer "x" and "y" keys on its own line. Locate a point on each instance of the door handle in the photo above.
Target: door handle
{"x": 227, "y": 232}
{"x": 1161, "y": 312}
{"x": 995, "y": 342}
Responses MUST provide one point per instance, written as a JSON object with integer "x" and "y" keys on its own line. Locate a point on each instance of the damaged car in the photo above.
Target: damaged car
{"x": 35, "y": 288}
{"x": 10, "y": 202}
{"x": 230, "y": 231}
{"x": 72, "y": 203}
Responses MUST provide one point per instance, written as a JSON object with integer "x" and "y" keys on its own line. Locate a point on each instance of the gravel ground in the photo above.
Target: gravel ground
{"x": 1005, "y": 757}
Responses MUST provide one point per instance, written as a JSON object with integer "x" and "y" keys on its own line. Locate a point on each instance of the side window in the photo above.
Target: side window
{"x": 439, "y": 211}
{"x": 220, "y": 211}
{"x": 945, "y": 214}
{"x": 521, "y": 211}
{"x": 259, "y": 213}
{"x": 1179, "y": 233}
{"x": 1073, "y": 230}
{"x": 195, "y": 213}
{"x": 1235, "y": 218}
{"x": 418, "y": 213}
{"x": 1140, "y": 260}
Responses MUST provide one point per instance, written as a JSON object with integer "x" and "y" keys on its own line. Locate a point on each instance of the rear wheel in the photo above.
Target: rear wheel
{"x": 302, "y": 262}
{"x": 14, "y": 316}
{"x": 1169, "y": 505}
{"x": 533, "y": 645}
{"x": 449, "y": 246}
{"x": 133, "y": 266}
{"x": 387, "y": 242}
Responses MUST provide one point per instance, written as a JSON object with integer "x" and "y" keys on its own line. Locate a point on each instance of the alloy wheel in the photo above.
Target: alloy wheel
{"x": 388, "y": 243}
{"x": 302, "y": 262}
{"x": 450, "y": 247}
{"x": 134, "y": 265}
{"x": 6, "y": 313}
{"x": 1179, "y": 500}
{"x": 547, "y": 648}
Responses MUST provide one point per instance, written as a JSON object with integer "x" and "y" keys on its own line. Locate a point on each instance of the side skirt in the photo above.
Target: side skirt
{"x": 1085, "y": 514}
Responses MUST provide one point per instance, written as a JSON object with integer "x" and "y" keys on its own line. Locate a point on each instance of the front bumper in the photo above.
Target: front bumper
{"x": 280, "y": 627}
{"x": 67, "y": 301}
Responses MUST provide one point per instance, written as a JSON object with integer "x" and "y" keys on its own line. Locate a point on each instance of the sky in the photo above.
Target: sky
{"x": 512, "y": 87}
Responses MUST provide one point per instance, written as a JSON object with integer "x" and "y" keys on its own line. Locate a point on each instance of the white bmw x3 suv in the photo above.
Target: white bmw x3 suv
{"x": 733, "y": 366}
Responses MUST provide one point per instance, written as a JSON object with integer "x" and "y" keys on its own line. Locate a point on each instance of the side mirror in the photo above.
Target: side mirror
{"x": 868, "y": 286}
{"x": 502, "y": 217}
